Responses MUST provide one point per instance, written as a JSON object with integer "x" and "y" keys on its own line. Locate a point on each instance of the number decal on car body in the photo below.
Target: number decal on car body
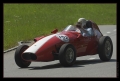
{"x": 63, "y": 38}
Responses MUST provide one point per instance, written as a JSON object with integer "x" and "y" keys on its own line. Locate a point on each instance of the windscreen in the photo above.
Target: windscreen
{"x": 70, "y": 28}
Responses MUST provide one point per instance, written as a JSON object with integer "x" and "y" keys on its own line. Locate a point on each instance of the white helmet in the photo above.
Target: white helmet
{"x": 82, "y": 20}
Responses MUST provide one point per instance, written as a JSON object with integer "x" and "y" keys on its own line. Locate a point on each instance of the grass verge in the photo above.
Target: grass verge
{"x": 23, "y": 22}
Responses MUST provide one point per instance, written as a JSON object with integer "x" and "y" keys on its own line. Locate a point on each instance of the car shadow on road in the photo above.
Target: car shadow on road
{"x": 87, "y": 62}
{"x": 78, "y": 63}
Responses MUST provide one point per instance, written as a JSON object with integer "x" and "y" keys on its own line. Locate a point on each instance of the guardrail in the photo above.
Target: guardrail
{"x": 19, "y": 43}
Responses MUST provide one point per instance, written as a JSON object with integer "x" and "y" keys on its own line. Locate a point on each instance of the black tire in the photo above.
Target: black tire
{"x": 64, "y": 53}
{"x": 105, "y": 48}
{"x": 18, "y": 60}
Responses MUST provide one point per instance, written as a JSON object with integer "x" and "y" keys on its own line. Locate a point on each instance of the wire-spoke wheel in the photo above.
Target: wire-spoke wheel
{"x": 105, "y": 48}
{"x": 67, "y": 55}
{"x": 18, "y": 59}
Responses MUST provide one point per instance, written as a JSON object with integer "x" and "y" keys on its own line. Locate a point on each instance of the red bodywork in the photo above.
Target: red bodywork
{"x": 47, "y": 51}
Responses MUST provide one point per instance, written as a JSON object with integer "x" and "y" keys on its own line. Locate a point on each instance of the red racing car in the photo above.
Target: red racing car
{"x": 64, "y": 46}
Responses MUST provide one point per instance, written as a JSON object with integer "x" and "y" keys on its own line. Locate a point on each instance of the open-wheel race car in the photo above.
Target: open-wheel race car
{"x": 65, "y": 46}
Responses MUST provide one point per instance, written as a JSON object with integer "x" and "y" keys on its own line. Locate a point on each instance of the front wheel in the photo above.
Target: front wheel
{"x": 18, "y": 59}
{"x": 67, "y": 55}
{"x": 105, "y": 48}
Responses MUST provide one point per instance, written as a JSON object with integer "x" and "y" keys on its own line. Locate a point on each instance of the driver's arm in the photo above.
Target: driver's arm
{"x": 78, "y": 30}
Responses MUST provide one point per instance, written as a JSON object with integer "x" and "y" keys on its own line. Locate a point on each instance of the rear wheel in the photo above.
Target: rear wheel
{"x": 105, "y": 48}
{"x": 18, "y": 59}
{"x": 67, "y": 55}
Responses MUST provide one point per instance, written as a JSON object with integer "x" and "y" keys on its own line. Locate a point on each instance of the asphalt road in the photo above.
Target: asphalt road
{"x": 85, "y": 66}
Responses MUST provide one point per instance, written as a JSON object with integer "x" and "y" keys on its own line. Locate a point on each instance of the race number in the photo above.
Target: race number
{"x": 63, "y": 38}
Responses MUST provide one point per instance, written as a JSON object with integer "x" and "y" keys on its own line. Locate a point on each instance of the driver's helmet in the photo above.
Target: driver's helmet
{"x": 82, "y": 21}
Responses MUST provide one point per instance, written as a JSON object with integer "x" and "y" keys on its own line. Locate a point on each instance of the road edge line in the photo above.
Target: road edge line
{"x": 19, "y": 43}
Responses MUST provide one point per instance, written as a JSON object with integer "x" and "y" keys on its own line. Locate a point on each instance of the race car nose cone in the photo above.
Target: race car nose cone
{"x": 29, "y": 56}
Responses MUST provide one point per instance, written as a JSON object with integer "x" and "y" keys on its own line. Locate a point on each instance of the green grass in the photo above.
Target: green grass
{"x": 23, "y": 22}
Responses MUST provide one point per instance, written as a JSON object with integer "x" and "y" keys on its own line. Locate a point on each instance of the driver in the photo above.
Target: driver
{"x": 81, "y": 24}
